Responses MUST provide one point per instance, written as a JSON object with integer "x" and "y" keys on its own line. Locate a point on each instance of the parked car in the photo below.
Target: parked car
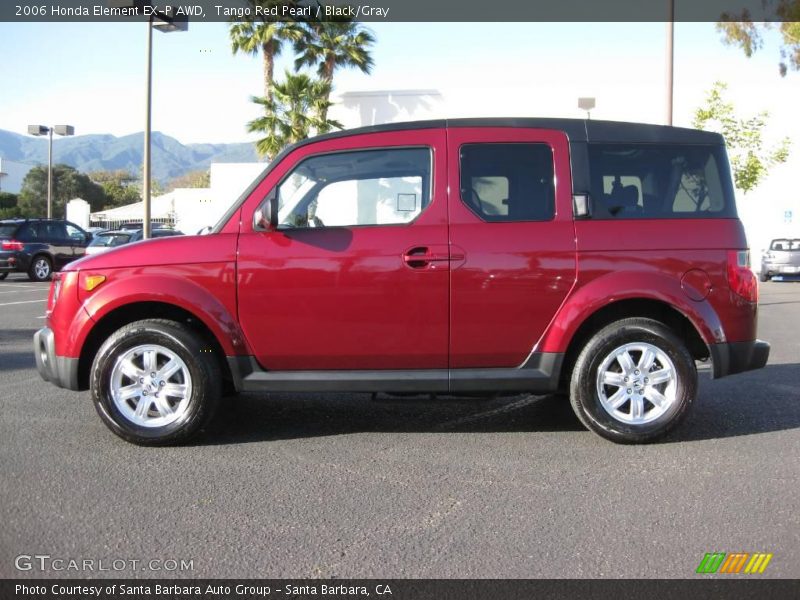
{"x": 39, "y": 246}
{"x": 107, "y": 240}
{"x": 782, "y": 258}
{"x": 157, "y": 232}
{"x": 496, "y": 255}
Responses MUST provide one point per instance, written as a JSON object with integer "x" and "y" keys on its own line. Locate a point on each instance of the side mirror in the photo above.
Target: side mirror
{"x": 268, "y": 221}
{"x": 581, "y": 206}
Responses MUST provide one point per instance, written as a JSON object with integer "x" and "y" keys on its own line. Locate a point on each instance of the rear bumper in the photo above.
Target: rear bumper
{"x": 780, "y": 268}
{"x": 738, "y": 357}
{"x": 9, "y": 264}
{"x": 60, "y": 370}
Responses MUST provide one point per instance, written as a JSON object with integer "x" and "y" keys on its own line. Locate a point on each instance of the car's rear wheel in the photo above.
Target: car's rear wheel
{"x": 634, "y": 381}
{"x": 41, "y": 268}
{"x": 154, "y": 382}
{"x": 765, "y": 276}
{"x": 3, "y": 276}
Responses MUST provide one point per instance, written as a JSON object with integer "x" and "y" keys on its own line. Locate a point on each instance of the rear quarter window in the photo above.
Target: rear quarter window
{"x": 660, "y": 181}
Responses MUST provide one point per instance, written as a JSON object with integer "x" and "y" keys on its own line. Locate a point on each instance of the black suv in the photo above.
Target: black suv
{"x": 39, "y": 246}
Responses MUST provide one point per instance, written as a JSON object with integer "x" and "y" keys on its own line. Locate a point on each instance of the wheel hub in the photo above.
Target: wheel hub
{"x": 151, "y": 385}
{"x": 637, "y": 383}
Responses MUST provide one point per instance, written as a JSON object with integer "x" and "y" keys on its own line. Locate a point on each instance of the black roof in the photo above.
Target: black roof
{"x": 577, "y": 130}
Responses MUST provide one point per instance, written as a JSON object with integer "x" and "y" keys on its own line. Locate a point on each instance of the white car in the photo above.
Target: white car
{"x": 108, "y": 240}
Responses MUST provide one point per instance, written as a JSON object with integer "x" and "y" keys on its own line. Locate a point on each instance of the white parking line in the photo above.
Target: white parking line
{"x": 26, "y": 286}
{"x": 24, "y": 302}
{"x": 25, "y": 291}
{"x": 42, "y": 317}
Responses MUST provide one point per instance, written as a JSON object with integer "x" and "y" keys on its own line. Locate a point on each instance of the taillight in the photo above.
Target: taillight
{"x": 12, "y": 245}
{"x": 741, "y": 279}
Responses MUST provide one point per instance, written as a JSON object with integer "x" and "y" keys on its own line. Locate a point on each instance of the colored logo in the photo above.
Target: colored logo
{"x": 734, "y": 562}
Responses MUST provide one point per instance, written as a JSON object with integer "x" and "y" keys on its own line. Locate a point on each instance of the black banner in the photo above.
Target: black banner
{"x": 401, "y": 10}
{"x": 396, "y": 589}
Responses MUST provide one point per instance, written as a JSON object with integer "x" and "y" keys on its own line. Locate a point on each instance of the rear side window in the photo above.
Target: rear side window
{"x": 660, "y": 181}
{"x": 26, "y": 233}
{"x": 52, "y": 231}
{"x": 508, "y": 182}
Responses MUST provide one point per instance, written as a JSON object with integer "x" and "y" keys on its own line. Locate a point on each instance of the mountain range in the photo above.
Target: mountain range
{"x": 169, "y": 158}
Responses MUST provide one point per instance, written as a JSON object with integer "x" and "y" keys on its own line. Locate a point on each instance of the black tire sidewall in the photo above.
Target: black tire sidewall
{"x": 204, "y": 375}
{"x": 586, "y": 401}
{"x": 3, "y": 276}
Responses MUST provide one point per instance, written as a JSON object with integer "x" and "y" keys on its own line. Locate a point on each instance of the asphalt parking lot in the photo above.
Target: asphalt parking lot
{"x": 347, "y": 486}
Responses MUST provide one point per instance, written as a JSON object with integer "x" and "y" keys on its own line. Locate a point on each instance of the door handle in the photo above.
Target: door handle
{"x": 421, "y": 257}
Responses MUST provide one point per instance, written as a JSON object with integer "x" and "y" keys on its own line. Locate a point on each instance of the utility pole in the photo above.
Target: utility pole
{"x": 670, "y": 59}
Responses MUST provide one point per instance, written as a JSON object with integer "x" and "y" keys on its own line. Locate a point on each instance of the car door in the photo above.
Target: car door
{"x": 356, "y": 275}
{"x": 511, "y": 219}
{"x": 60, "y": 246}
{"x": 78, "y": 240}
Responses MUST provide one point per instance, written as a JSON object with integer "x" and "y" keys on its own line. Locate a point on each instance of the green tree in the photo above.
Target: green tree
{"x": 750, "y": 160}
{"x": 192, "y": 179}
{"x": 120, "y": 186}
{"x": 256, "y": 35}
{"x": 740, "y": 30}
{"x": 333, "y": 45}
{"x": 8, "y": 200}
{"x": 293, "y": 114}
{"x": 8, "y": 206}
{"x": 68, "y": 183}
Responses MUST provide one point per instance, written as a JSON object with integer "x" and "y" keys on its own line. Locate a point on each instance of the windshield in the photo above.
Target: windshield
{"x": 110, "y": 240}
{"x": 786, "y": 244}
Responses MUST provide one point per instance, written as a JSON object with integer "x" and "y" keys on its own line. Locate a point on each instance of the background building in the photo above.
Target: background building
{"x": 187, "y": 209}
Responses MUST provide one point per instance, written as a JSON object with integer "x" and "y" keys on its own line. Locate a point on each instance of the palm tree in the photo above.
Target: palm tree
{"x": 295, "y": 111}
{"x": 331, "y": 45}
{"x": 267, "y": 37}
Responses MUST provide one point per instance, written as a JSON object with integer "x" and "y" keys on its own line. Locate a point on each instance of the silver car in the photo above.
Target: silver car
{"x": 782, "y": 258}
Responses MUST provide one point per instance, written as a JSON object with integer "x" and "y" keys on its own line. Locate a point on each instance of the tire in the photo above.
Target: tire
{"x": 41, "y": 268}
{"x": 764, "y": 277}
{"x": 178, "y": 405}
{"x": 3, "y": 276}
{"x": 653, "y": 405}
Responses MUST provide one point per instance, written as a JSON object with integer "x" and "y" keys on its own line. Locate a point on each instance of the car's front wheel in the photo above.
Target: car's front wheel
{"x": 155, "y": 382}
{"x": 764, "y": 276}
{"x": 633, "y": 381}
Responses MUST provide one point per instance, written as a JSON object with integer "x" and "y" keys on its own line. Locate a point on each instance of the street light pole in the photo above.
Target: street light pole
{"x": 147, "y": 121}
{"x": 50, "y": 174}
{"x": 166, "y": 22}
{"x": 670, "y": 59}
{"x": 39, "y": 130}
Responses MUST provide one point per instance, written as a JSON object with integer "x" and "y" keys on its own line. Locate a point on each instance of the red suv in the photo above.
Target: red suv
{"x": 495, "y": 255}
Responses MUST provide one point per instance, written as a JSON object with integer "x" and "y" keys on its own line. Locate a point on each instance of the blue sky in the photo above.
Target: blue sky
{"x": 92, "y": 75}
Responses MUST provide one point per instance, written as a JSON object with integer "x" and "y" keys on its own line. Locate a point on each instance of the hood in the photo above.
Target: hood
{"x": 176, "y": 250}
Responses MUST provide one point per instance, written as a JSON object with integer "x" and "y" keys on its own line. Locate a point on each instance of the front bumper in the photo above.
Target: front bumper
{"x": 60, "y": 370}
{"x": 737, "y": 357}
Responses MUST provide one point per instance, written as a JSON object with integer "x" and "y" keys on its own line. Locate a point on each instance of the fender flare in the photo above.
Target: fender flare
{"x": 167, "y": 289}
{"x": 601, "y": 292}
